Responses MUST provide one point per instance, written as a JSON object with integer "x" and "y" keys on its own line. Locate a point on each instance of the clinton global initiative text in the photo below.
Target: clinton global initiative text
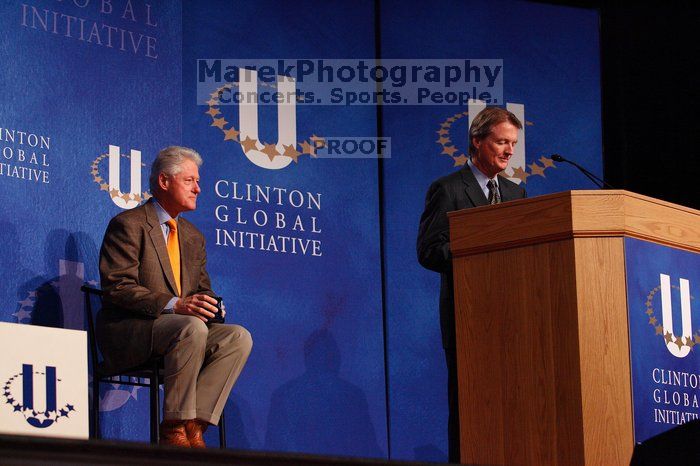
{"x": 268, "y": 218}
{"x": 265, "y": 242}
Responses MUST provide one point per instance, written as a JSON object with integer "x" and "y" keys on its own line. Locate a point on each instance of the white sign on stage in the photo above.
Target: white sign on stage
{"x": 43, "y": 381}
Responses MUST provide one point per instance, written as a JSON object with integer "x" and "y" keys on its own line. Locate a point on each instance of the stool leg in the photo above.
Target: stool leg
{"x": 155, "y": 405}
{"x": 222, "y": 430}
{"x": 96, "y": 434}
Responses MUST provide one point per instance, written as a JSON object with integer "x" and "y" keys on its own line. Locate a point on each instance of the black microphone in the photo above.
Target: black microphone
{"x": 597, "y": 181}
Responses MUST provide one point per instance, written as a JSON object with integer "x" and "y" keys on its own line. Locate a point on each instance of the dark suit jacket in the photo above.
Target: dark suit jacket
{"x": 137, "y": 281}
{"x": 456, "y": 191}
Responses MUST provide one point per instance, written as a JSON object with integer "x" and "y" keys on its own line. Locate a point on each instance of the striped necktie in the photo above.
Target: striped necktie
{"x": 494, "y": 195}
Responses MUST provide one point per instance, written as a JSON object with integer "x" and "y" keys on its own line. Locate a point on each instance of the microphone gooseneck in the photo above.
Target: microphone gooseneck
{"x": 602, "y": 184}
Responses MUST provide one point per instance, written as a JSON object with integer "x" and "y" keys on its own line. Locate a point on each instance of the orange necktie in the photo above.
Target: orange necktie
{"x": 174, "y": 252}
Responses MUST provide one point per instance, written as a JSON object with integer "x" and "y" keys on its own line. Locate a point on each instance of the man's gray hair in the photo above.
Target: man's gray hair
{"x": 169, "y": 161}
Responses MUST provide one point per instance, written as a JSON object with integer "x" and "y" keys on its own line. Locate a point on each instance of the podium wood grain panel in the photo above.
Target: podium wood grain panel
{"x": 517, "y": 333}
{"x": 574, "y": 214}
{"x": 604, "y": 349}
{"x": 541, "y": 322}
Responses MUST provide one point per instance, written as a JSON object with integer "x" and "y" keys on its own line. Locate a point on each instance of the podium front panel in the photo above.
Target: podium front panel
{"x": 44, "y": 381}
{"x": 663, "y": 287}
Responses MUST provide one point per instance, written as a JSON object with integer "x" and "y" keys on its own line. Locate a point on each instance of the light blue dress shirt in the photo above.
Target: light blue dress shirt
{"x": 481, "y": 178}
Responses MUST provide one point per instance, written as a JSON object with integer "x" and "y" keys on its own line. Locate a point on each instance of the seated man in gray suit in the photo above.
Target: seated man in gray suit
{"x": 158, "y": 300}
{"x": 492, "y": 137}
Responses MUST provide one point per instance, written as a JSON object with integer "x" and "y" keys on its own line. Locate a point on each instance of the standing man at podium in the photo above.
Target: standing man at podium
{"x": 158, "y": 301}
{"x": 492, "y": 138}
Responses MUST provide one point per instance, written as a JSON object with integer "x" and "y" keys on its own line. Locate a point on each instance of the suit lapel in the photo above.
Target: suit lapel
{"x": 508, "y": 193}
{"x": 186, "y": 259}
{"x": 156, "y": 234}
{"x": 472, "y": 188}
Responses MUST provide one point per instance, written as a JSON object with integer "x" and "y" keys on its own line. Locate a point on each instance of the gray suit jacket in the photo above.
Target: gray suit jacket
{"x": 138, "y": 281}
{"x": 456, "y": 191}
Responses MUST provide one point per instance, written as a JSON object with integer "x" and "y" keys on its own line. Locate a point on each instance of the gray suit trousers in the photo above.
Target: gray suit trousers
{"x": 201, "y": 363}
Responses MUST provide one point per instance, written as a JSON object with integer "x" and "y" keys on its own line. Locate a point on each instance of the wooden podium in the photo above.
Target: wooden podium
{"x": 541, "y": 322}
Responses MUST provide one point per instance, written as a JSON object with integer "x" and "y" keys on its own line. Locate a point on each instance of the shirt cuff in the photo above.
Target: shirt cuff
{"x": 168, "y": 309}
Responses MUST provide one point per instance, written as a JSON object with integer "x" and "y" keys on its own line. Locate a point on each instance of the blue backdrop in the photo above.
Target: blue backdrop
{"x": 78, "y": 87}
{"x": 315, "y": 381}
{"x": 347, "y": 356}
{"x": 551, "y": 67}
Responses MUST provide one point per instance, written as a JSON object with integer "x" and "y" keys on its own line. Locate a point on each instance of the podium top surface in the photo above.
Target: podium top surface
{"x": 573, "y": 214}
